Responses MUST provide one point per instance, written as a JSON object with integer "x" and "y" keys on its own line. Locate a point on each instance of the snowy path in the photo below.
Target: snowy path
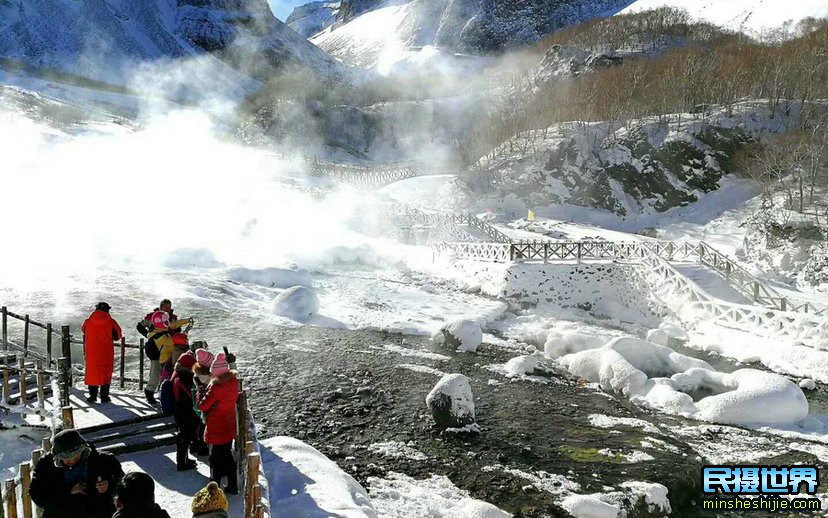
{"x": 173, "y": 490}
{"x": 711, "y": 283}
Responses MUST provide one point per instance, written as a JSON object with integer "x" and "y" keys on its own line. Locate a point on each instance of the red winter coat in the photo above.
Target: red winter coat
{"x": 218, "y": 403}
{"x": 100, "y": 330}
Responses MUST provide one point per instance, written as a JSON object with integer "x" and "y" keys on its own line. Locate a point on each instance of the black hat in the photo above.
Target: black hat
{"x": 103, "y": 306}
{"x": 136, "y": 488}
{"x": 67, "y": 444}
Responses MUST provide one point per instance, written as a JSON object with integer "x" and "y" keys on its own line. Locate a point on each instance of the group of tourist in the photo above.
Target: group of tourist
{"x": 199, "y": 389}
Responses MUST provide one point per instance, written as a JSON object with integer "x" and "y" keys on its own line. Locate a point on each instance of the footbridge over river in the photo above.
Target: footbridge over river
{"x": 370, "y": 177}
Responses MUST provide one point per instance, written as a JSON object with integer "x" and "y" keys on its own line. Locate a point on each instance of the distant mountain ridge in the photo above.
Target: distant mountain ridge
{"x": 108, "y": 40}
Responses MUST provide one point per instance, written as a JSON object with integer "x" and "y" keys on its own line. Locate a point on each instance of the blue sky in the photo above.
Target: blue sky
{"x": 283, "y": 8}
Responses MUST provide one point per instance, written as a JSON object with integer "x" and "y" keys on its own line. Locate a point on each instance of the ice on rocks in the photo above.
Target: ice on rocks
{"x": 298, "y": 303}
{"x": 451, "y": 402}
{"x": 658, "y": 377}
{"x": 807, "y": 384}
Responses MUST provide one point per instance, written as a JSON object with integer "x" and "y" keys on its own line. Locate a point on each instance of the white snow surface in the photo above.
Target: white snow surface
{"x": 283, "y": 278}
{"x": 752, "y": 16}
{"x": 400, "y": 496}
{"x": 590, "y": 506}
{"x": 303, "y": 482}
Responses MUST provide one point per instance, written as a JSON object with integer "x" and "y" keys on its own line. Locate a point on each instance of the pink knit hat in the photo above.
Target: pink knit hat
{"x": 220, "y": 366}
{"x": 204, "y": 357}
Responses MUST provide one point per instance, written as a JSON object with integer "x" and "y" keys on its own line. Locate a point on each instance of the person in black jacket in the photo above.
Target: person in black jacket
{"x": 135, "y": 497}
{"x": 75, "y": 480}
{"x": 186, "y": 419}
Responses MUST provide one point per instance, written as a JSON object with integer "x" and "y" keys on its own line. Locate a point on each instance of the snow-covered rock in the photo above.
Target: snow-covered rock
{"x": 298, "y": 303}
{"x": 590, "y": 506}
{"x": 465, "y": 335}
{"x": 281, "y": 278}
{"x": 521, "y": 365}
{"x": 658, "y": 377}
{"x": 560, "y": 344}
{"x": 807, "y": 384}
{"x": 303, "y": 482}
{"x": 451, "y": 402}
{"x": 313, "y": 17}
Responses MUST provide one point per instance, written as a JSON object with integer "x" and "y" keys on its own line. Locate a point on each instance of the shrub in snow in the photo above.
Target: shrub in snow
{"x": 658, "y": 377}
{"x": 451, "y": 402}
{"x": 521, "y": 365}
{"x": 281, "y": 278}
{"x": 464, "y": 335}
{"x": 808, "y": 384}
{"x": 297, "y": 303}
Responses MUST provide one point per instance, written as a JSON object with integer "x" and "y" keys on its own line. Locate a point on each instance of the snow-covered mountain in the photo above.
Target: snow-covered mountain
{"x": 453, "y": 26}
{"x": 312, "y": 18}
{"x": 108, "y": 40}
{"x": 744, "y": 15}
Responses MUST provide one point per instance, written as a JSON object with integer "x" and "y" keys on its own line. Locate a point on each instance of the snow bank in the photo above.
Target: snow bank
{"x": 660, "y": 378}
{"x": 464, "y": 334}
{"x": 612, "y": 504}
{"x": 192, "y": 258}
{"x": 521, "y": 365}
{"x": 400, "y": 496}
{"x": 451, "y": 402}
{"x": 297, "y": 303}
{"x": 281, "y": 278}
{"x": 303, "y": 482}
{"x": 561, "y": 343}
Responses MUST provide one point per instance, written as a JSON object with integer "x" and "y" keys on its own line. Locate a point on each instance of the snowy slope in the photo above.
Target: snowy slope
{"x": 747, "y": 15}
{"x": 458, "y": 26}
{"x": 110, "y": 41}
{"x": 309, "y": 19}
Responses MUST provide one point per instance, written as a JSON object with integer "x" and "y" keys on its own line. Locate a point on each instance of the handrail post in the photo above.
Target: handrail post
{"x": 123, "y": 353}
{"x": 66, "y": 346}
{"x": 5, "y": 326}
{"x": 49, "y": 346}
{"x": 63, "y": 381}
{"x": 25, "y": 481}
{"x": 26, "y": 336}
{"x": 68, "y": 417}
{"x": 11, "y": 499}
{"x": 21, "y": 381}
{"x": 41, "y": 395}
{"x": 141, "y": 365}
{"x": 6, "y": 388}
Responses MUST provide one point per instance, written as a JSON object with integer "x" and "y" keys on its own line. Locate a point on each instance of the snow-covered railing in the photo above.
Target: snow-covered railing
{"x": 693, "y": 304}
{"x": 366, "y": 177}
{"x": 410, "y": 216}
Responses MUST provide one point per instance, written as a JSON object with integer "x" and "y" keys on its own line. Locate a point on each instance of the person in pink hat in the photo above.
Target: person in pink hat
{"x": 218, "y": 404}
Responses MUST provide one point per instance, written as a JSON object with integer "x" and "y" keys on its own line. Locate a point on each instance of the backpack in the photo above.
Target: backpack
{"x": 167, "y": 398}
{"x": 151, "y": 350}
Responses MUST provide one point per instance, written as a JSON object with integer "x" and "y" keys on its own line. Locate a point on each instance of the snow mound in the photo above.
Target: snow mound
{"x": 297, "y": 303}
{"x": 664, "y": 333}
{"x": 281, "y": 278}
{"x": 400, "y": 496}
{"x": 451, "y": 402}
{"x": 303, "y": 482}
{"x": 521, "y": 365}
{"x": 590, "y": 506}
{"x": 192, "y": 258}
{"x": 658, "y": 377}
{"x": 464, "y": 334}
{"x": 807, "y": 384}
{"x": 560, "y": 344}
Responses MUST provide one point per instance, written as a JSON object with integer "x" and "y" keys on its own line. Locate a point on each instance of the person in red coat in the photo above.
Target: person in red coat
{"x": 217, "y": 401}
{"x": 99, "y": 332}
